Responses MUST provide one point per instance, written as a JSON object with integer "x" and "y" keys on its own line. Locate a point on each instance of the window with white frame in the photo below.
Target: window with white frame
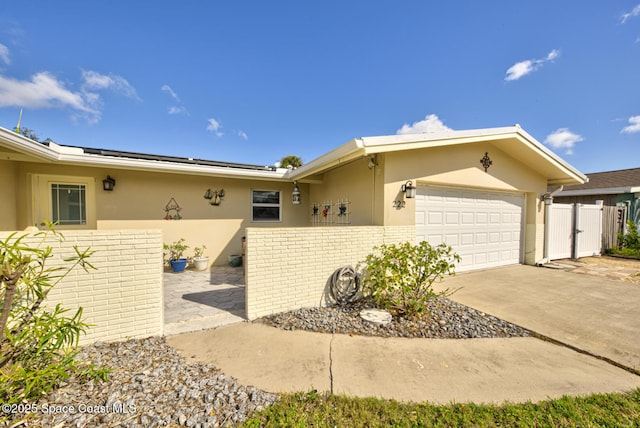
{"x": 69, "y": 204}
{"x": 68, "y": 200}
{"x": 265, "y": 205}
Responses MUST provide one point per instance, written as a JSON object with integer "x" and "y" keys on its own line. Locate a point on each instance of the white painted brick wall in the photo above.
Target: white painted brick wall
{"x": 288, "y": 268}
{"x": 123, "y": 298}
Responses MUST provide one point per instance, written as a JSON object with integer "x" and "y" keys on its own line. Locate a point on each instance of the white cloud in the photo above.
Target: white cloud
{"x": 562, "y": 138}
{"x": 96, "y": 81}
{"x": 634, "y": 12}
{"x": 177, "y": 110}
{"x": 167, "y": 89}
{"x": 522, "y": 68}
{"x": 4, "y": 54}
{"x": 45, "y": 91}
{"x": 215, "y": 126}
{"x": 634, "y": 125}
{"x": 430, "y": 124}
{"x": 243, "y": 135}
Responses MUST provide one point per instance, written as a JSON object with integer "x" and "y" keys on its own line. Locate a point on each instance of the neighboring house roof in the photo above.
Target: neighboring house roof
{"x": 606, "y": 183}
{"x": 512, "y": 140}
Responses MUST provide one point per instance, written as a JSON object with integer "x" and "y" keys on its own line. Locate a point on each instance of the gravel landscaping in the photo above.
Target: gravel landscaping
{"x": 443, "y": 319}
{"x": 153, "y": 386}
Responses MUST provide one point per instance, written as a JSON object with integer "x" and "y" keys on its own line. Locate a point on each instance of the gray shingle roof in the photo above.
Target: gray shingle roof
{"x": 610, "y": 179}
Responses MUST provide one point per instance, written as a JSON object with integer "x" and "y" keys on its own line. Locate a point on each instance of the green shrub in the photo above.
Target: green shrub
{"x": 630, "y": 240}
{"x": 37, "y": 344}
{"x": 400, "y": 277}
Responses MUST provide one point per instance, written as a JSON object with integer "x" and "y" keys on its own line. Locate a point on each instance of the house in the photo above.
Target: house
{"x": 478, "y": 190}
{"x": 619, "y": 191}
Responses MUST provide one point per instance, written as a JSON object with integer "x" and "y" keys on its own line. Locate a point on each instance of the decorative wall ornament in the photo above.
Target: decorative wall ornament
{"x": 328, "y": 212}
{"x": 214, "y": 197}
{"x": 486, "y": 161}
{"x": 172, "y": 207}
{"x": 344, "y": 211}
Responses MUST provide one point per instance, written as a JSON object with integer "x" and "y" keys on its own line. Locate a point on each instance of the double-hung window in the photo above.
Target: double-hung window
{"x": 265, "y": 206}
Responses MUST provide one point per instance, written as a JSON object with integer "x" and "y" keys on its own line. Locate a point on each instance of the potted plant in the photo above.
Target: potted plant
{"x": 200, "y": 261}
{"x": 176, "y": 250}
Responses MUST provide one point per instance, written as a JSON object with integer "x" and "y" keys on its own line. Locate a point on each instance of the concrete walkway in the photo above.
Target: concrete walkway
{"x": 199, "y": 300}
{"x": 596, "y": 315}
{"x": 434, "y": 370}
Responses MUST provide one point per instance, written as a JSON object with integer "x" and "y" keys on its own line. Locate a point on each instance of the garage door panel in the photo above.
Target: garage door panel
{"x": 452, "y": 218}
{"x": 484, "y": 228}
{"x": 435, "y": 218}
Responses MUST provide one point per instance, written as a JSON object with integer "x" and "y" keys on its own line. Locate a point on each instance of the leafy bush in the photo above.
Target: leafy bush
{"x": 176, "y": 249}
{"x": 400, "y": 277}
{"x": 631, "y": 239}
{"x": 37, "y": 344}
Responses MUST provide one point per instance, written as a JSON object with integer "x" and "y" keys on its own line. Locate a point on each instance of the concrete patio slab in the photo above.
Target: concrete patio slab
{"x": 595, "y": 314}
{"x": 433, "y": 370}
{"x": 197, "y": 300}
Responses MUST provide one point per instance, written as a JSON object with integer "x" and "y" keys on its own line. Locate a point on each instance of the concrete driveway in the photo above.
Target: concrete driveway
{"x": 594, "y": 314}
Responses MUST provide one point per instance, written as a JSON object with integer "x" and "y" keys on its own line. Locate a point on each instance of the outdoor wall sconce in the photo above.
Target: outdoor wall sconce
{"x": 295, "y": 195}
{"x": 214, "y": 197}
{"x": 486, "y": 161}
{"x": 108, "y": 184}
{"x": 373, "y": 161}
{"x": 409, "y": 190}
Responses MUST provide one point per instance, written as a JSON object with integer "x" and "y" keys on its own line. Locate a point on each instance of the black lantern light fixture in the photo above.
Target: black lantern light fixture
{"x": 295, "y": 195}
{"x": 409, "y": 190}
{"x": 108, "y": 184}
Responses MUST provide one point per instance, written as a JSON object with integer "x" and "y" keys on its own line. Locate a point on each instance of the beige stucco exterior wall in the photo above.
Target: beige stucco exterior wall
{"x": 123, "y": 297}
{"x": 8, "y": 188}
{"x": 222, "y": 237}
{"x": 139, "y": 198}
{"x": 356, "y": 182}
{"x": 459, "y": 166}
{"x": 289, "y": 268}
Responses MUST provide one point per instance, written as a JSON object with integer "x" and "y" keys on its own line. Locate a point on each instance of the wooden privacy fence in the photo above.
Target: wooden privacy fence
{"x": 613, "y": 220}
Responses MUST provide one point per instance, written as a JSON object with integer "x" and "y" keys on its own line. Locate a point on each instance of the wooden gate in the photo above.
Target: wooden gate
{"x": 575, "y": 230}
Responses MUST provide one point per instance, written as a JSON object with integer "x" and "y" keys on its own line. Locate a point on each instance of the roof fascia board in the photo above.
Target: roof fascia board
{"x": 553, "y": 158}
{"x": 603, "y": 191}
{"x": 26, "y": 146}
{"x": 433, "y": 139}
{"x": 76, "y": 156}
{"x": 159, "y": 166}
{"x": 338, "y": 156}
{"x": 380, "y": 144}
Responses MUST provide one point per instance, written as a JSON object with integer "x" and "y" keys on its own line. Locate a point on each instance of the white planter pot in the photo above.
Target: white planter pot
{"x": 201, "y": 263}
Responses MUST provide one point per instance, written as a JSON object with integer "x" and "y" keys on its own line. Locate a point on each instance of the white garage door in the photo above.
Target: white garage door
{"x": 484, "y": 228}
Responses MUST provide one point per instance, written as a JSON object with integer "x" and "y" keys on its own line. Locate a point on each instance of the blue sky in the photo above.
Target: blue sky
{"x": 252, "y": 81}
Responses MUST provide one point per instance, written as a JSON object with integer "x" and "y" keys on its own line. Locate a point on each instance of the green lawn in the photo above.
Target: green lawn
{"x": 324, "y": 410}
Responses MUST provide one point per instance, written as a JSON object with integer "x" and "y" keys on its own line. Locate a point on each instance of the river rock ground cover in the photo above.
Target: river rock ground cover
{"x": 151, "y": 385}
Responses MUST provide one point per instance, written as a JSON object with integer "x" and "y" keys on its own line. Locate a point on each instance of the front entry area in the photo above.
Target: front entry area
{"x": 483, "y": 227}
{"x": 201, "y": 300}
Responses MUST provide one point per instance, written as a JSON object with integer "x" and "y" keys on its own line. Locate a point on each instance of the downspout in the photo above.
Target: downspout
{"x": 548, "y": 201}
